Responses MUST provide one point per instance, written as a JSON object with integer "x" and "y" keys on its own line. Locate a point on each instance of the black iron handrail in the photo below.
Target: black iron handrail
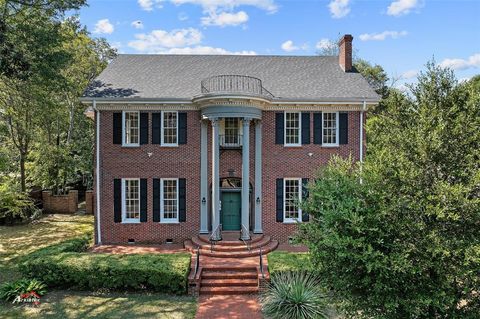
{"x": 245, "y": 237}
{"x": 215, "y": 236}
{"x": 234, "y": 84}
{"x": 261, "y": 263}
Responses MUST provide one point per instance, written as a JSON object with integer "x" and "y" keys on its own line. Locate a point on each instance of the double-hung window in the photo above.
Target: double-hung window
{"x": 169, "y": 200}
{"x": 231, "y": 131}
{"x": 131, "y": 128}
{"x": 292, "y": 129}
{"x": 330, "y": 129}
{"x": 170, "y": 128}
{"x": 291, "y": 199}
{"x": 131, "y": 200}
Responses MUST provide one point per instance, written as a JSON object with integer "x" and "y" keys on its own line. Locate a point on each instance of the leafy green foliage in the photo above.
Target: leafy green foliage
{"x": 280, "y": 261}
{"x": 10, "y": 290}
{"x": 67, "y": 265}
{"x": 15, "y": 205}
{"x": 294, "y": 295}
{"x": 398, "y": 238}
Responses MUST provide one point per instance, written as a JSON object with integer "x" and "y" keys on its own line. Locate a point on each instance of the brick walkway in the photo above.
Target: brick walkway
{"x": 228, "y": 307}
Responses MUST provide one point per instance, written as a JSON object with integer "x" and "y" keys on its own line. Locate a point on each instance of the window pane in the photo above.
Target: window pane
{"x": 292, "y": 193}
{"x": 292, "y": 128}
{"x": 132, "y": 199}
{"x": 131, "y": 127}
{"x": 330, "y": 128}
{"x": 170, "y": 200}
{"x": 170, "y": 127}
{"x": 231, "y": 130}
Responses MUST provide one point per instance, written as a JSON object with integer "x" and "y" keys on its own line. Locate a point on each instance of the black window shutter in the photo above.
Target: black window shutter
{"x": 182, "y": 128}
{"x": 117, "y": 200}
{"x": 305, "y": 128}
{"x": 305, "y": 216}
{"x": 317, "y": 128}
{"x": 143, "y": 200}
{"x": 143, "y": 128}
{"x": 156, "y": 127}
{"x": 279, "y": 200}
{"x": 182, "y": 200}
{"x": 279, "y": 127}
{"x": 343, "y": 128}
{"x": 117, "y": 128}
{"x": 156, "y": 200}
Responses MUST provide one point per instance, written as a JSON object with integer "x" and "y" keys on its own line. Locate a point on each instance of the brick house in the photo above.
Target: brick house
{"x": 190, "y": 144}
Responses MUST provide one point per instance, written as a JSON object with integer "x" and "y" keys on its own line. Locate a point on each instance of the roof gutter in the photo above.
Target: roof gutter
{"x": 97, "y": 174}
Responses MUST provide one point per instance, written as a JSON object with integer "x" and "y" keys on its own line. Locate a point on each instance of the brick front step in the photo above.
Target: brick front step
{"x": 240, "y": 254}
{"x": 226, "y": 241}
{"x": 239, "y": 246}
{"x": 229, "y": 275}
{"x": 228, "y": 290}
{"x": 236, "y": 282}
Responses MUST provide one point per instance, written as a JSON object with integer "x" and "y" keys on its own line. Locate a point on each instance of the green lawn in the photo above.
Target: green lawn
{"x": 18, "y": 241}
{"x": 287, "y": 261}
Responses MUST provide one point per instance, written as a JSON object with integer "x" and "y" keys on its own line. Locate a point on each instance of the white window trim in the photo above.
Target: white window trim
{"x": 126, "y": 220}
{"x": 164, "y": 220}
{"x": 163, "y": 130}
{"x": 299, "y": 130}
{"x": 124, "y": 131}
{"x": 337, "y": 130}
{"x": 292, "y": 220}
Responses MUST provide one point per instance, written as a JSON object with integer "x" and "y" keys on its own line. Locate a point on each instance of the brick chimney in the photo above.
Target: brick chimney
{"x": 345, "y": 52}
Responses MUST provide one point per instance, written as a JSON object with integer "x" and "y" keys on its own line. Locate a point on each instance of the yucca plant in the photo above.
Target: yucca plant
{"x": 293, "y": 295}
{"x": 10, "y": 290}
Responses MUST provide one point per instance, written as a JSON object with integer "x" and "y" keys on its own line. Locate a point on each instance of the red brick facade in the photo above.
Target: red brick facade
{"x": 154, "y": 161}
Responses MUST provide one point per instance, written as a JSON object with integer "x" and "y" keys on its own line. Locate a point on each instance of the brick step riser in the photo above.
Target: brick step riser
{"x": 224, "y": 277}
{"x": 228, "y": 242}
{"x": 227, "y": 248}
{"x": 237, "y": 254}
{"x": 230, "y": 269}
{"x": 236, "y": 284}
{"x": 228, "y": 292}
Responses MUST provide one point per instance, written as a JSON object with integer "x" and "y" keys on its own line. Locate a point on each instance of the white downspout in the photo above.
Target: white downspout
{"x": 97, "y": 175}
{"x": 364, "y": 107}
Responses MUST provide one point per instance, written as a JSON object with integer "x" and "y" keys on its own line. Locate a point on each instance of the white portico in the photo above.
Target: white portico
{"x": 231, "y": 98}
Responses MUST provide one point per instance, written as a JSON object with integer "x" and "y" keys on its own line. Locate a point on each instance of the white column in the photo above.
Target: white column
{"x": 258, "y": 178}
{"x": 245, "y": 178}
{"x": 215, "y": 175}
{"x": 203, "y": 178}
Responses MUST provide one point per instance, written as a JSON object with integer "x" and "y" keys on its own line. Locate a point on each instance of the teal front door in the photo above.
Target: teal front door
{"x": 231, "y": 206}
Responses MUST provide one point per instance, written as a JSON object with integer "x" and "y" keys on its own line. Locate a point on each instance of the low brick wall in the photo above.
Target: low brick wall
{"x": 60, "y": 203}
{"x": 89, "y": 202}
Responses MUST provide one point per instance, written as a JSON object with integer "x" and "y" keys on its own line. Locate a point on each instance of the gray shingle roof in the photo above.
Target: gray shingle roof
{"x": 179, "y": 76}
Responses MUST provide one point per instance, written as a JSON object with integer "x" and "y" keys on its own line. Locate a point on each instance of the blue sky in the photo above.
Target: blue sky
{"x": 400, "y": 35}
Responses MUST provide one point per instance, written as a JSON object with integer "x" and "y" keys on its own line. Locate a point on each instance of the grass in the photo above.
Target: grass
{"x": 18, "y": 241}
{"x": 73, "y": 305}
{"x": 279, "y": 261}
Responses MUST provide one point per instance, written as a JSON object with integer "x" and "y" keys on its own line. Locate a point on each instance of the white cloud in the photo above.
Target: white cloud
{"x": 226, "y": 5}
{"x": 204, "y": 50}
{"x": 182, "y": 16}
{"x": 410, "y": 74}
{"x": 148, "y": 5}
{"x": 339, "y": 8}
{"x": 382, "y": 36}
{"x": 161, "y": 39}
{"x": 103, "y": 26}
{"x": 402, "y": 7}
{"x": 288, "y": 46}
{"x": 325, "y": 44}
{"x": 137, "y": 24}
{"x": 473, "y": 61}
{"x": 225, "y": 19}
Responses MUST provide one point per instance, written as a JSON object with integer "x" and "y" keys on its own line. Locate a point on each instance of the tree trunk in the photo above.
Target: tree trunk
{"x": 22, "y": 172}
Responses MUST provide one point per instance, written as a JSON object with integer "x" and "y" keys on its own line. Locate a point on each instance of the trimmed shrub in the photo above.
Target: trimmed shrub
{"x": 77, "y": 244}
{"x": 294, "y": 295}
{"x": 10, "y": 290}
{"x": 162, "y": 273}
{"x": 280, "y": 261}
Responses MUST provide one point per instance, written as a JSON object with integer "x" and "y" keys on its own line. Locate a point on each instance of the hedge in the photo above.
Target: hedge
{"x": 280, "y": 261}
{"x": 58, "y": 267}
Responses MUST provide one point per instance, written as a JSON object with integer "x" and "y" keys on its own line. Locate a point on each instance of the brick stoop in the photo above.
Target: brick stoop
{"x": 229, "y": 267}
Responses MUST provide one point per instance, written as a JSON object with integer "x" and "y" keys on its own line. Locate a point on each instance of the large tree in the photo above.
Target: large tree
{"x": 399, "y": 238}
